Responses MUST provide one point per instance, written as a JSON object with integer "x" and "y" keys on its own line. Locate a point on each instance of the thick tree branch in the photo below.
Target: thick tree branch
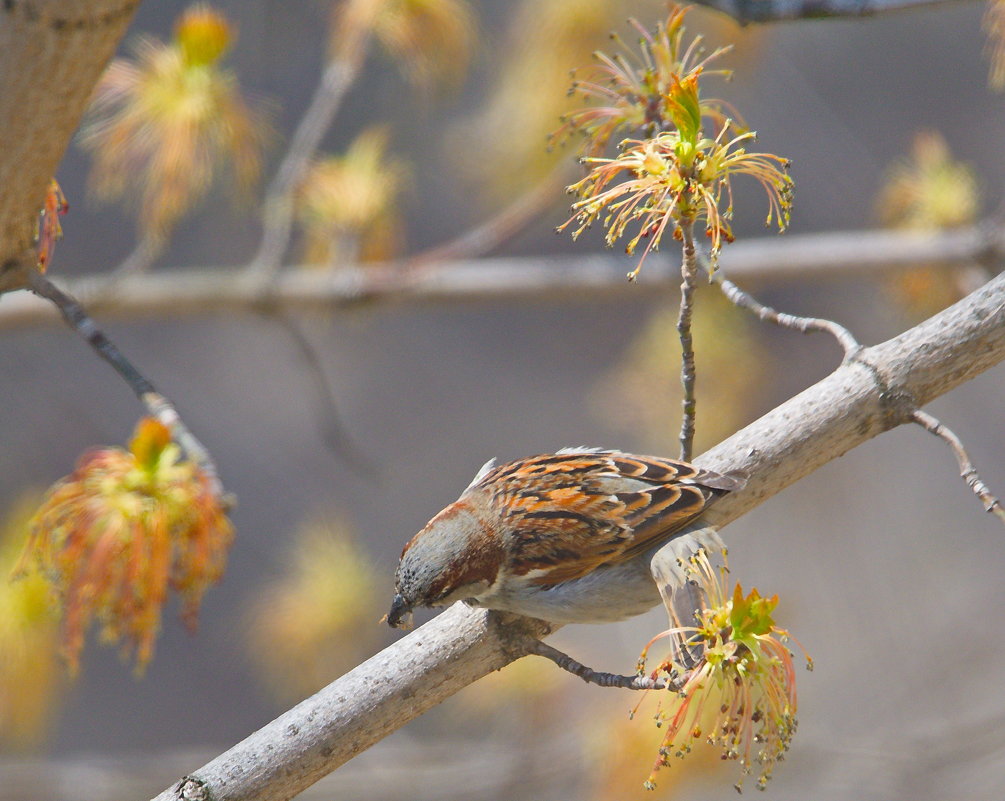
{"x": 368, "y": 703}
{"x": 51, "y": 54}
{"x": 218, "y": 291}
{"x": 874, "y": 391}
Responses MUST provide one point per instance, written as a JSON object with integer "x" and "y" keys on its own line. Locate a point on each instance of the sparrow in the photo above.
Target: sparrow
{"x": 565, "y": 537}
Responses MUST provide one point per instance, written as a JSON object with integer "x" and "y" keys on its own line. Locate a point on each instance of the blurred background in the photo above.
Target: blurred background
{"x": 887, "y": 569}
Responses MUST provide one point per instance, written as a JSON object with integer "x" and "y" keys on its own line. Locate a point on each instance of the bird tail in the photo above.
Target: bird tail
{"x": 682, "y": 592}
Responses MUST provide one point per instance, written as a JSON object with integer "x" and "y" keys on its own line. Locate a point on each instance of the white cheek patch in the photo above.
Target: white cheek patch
{"x": 469, "y": 593}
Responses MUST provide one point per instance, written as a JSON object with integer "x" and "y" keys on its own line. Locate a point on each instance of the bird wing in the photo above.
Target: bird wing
{"x": 568, "y": 513}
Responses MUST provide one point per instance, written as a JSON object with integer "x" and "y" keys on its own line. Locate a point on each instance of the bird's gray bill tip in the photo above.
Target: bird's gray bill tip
{"x": 400, "y": 616}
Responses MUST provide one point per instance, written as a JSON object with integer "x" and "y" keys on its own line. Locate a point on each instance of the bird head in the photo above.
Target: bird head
{"x": 454, "y": 558}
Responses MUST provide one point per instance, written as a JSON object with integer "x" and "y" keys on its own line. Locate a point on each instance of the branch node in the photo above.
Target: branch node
{"x": 192, "y": 789}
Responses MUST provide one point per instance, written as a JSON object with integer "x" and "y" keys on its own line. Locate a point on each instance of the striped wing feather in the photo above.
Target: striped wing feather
{"x": 571, "y": 512}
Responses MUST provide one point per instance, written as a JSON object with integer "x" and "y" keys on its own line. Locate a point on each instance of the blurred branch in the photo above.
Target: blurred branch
{"x": 419, "y": 769}
{"x": 871, "y": 393}
{"x": 333, "y": 431}
{"x": 156, "y": 404}
{"x": 338, "y": 76}
{"x": 488, "y": 235}
{"x": 141, "y": 257}
{"x": 215, "y": 291}
{"x": 51, "y": 55}
{"x": 368, "y": 703}
{"x": 747, "y": 11}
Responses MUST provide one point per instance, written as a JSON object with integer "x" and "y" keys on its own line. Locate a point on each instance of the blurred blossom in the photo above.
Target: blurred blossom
{"x": 616, "y": 747}
{"x": 113, "y": 536}
{"x": 202, "y": 35}
{"x": 527, "y": 688}
{"x": 346, "y": 204}
{"x": 641, "y": 393}
{"x": 430, "y": 40}
{"x": 29, "y": 643}
{"x": 928, "y": 191}
{"x": 321, "y": 617}
{"x": 530, "y": 91}
{"x": 994, "y": 26}
{"x": 163, "y": 124}
{"x": 744, "y": 678}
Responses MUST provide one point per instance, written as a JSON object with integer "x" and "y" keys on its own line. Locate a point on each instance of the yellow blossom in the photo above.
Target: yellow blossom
{"x": 667, "y": 181}
{"x": 163, "y": 124}
{"x": 346, "y": 204}
{"x": 29, "y": 643}
{"x": 743, "y": 677}
{"x": 633, "y": 93}
{"x": 675, "y": 175}
{"x": 430, "y": 40}
{"x": 928, "y": 191}
{"x": 320, "y": 617}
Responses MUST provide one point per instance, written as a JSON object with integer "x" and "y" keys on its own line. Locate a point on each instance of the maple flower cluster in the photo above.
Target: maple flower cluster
{"x": 161, "y": 123}
{"x": 740, "y": 696}
{"x": 118, "y": 532}
{"x": 675, "y": 175}
{"x": 347, "y": 203}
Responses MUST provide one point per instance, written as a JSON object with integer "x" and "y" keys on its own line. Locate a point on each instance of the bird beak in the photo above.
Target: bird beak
{"x": 400, "y": 616}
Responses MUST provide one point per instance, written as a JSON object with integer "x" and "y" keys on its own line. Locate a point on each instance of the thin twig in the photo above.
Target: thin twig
{"x": 338, "y": 76}
{"x": 967, "y": 471}
{"x": 81, "y": 322}
{"x": 689, "y": 274}
{"x": 805, "y": 325}
{"x": 333, "y": 430}
{"x": 156, "y": 404}
{"x": 591, "y": 676}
